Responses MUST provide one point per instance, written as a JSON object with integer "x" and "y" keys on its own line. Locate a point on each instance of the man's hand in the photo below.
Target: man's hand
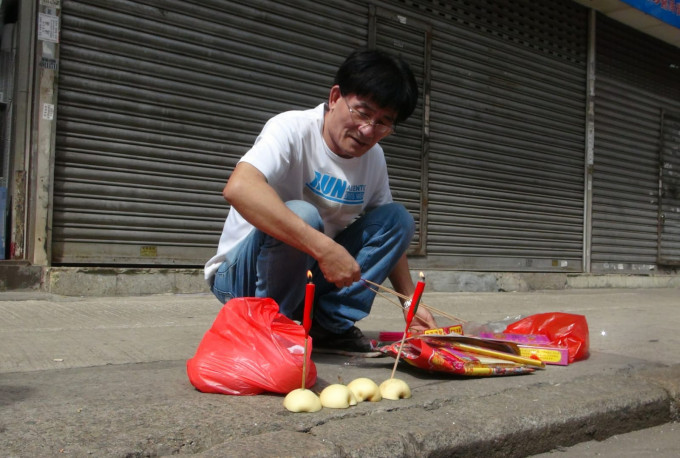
{"x": 422, "y": 320}
{"x": 338, "y": 266}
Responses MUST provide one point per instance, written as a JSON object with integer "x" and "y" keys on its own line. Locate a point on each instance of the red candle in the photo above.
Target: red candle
{"x": 309, "y": 304}
{"x": 415, "y": 300}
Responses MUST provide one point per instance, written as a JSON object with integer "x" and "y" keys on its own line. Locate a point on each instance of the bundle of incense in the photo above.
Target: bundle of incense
{"x": 393, "y": 292}
{"x": 390, "y": 336}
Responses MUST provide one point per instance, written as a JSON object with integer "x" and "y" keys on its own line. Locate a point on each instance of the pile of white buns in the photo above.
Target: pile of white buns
{"x": 339, "y": 396}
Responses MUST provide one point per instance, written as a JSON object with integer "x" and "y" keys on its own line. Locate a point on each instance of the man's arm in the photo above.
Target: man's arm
{"x": 401, "y": 280}
{"x": 249, "y": 193}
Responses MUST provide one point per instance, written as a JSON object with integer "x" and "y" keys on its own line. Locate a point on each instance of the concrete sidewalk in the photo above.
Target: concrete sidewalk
{"x": 107, "y": 377}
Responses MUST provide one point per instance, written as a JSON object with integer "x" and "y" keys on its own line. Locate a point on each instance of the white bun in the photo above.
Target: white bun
{"x": 394, "y": 389}
{"x": 302, "y": 400}
{"x": 337, "y": 396}
{"x": 365, "y": 389}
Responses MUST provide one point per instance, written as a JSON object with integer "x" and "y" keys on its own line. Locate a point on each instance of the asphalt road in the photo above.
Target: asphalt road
{"x": 661, "y": 441}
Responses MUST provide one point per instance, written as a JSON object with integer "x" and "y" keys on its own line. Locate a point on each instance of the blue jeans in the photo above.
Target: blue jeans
{"x": 262, "y": 266}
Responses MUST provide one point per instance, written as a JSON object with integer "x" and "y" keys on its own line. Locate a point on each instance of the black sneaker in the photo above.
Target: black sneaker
{"x": 352, "y": 342}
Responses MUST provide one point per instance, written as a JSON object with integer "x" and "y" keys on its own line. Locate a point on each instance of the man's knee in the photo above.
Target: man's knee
{"x": 307, "y": 212}
{"x": 398, "y": 217}
{"x": 405, "y": 218}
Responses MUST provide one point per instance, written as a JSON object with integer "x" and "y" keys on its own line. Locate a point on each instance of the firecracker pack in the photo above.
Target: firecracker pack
{"x": 533, "y": 346}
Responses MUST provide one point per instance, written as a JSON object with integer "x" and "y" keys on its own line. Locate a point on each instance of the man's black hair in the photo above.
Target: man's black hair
{"x": 380, "y": 77}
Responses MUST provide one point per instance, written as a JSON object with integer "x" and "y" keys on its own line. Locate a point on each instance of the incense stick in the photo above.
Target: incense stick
{"x": 304, "y": 366}
{"x": 396, "y": 361}
{"x": 403, "y": 296}
{"x": 422, "y": 304}
{"x": 387, "y": 298}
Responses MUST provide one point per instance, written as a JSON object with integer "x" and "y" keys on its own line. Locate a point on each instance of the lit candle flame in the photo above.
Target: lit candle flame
{"x": 309, "y": 276}
{"x": 422, "y": 276}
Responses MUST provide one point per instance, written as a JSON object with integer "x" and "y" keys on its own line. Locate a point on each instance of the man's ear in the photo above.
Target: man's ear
{"x": 334, "y": 96}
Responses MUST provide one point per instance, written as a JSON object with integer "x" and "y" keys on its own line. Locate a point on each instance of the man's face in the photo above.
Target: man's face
{"x": 354, "y": 124}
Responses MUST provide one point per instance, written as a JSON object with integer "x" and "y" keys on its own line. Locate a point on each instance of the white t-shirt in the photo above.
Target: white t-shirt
{"x": 292, "y": 154}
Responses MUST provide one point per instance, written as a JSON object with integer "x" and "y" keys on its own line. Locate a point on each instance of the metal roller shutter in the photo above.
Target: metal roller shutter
{"x": 634, "y": 83}
{"x": 507, "y": 135}
{"x": 625, "y": 176}
{"x": 157, "y": 100}
{"x": 406, "y": 151}
{"x": 669, "y": 187}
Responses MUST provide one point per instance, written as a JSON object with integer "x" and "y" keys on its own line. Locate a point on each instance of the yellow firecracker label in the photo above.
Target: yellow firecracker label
{"x": 544, "y": 354}
{"x": 457, "y": 329}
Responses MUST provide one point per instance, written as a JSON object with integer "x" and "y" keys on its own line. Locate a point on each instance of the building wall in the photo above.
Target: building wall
{"x": 157, "y": 100}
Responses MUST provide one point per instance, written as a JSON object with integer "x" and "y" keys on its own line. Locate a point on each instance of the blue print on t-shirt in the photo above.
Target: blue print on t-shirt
{"x": 336, "y": 190}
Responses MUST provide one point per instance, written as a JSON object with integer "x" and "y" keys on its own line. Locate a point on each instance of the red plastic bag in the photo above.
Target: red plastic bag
{"x": 564, "y": 329}
{"x": 251, "y": 348}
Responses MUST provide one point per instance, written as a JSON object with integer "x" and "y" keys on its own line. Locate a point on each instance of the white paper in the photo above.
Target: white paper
{"x": 48, "y": 27}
